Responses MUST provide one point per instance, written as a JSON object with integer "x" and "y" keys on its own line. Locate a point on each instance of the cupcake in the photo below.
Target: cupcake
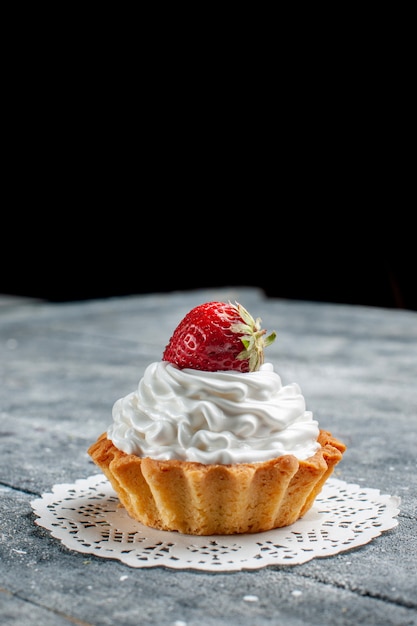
{"x": 211, "y": 442}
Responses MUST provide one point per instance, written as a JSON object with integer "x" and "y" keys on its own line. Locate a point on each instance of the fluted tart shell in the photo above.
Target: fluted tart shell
{"x": 198, "y": 499}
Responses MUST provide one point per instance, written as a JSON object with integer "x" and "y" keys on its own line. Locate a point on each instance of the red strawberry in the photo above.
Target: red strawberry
{"x": 217, "y": 336}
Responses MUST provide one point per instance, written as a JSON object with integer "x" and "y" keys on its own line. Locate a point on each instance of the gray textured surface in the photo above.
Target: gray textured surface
{"x": 63, "y": 366}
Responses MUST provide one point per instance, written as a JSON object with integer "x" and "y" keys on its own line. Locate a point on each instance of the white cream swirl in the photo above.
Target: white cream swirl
{"x": 213, "y": 417}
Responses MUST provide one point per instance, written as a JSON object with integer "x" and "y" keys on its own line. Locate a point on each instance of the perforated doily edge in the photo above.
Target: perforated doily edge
{"x": 46, "y": 520}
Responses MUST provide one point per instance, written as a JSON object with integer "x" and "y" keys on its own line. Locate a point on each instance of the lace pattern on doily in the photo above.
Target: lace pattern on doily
{"x": 86, "y": 517}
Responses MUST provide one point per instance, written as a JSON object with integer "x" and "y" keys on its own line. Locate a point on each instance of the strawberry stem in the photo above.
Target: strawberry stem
{"x": 253, "y": 338}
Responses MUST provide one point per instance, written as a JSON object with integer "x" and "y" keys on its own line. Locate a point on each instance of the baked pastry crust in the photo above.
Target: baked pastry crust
{"x": 198, "y": 499}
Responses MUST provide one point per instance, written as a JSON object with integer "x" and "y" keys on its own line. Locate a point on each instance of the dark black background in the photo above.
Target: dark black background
{"x": 311, "y": 211}
{"x": 119, "y": 180}
{"x": 63, "y": 258}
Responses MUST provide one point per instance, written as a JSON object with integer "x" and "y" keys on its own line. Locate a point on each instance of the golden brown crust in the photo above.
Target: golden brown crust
{"x": 199, "y": 499}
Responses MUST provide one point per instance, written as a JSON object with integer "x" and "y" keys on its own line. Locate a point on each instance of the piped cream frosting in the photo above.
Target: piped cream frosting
{"x": 213, "y": 417}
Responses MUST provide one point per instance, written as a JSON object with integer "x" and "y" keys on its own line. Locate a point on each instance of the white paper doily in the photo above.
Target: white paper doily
{"x": 86, "y": 517}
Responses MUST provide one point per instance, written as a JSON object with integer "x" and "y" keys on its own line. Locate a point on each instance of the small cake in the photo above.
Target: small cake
{"x": 211, "y": 442}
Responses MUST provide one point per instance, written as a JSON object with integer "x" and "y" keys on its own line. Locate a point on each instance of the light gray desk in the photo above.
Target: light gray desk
{"x": 63, "y": 366}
